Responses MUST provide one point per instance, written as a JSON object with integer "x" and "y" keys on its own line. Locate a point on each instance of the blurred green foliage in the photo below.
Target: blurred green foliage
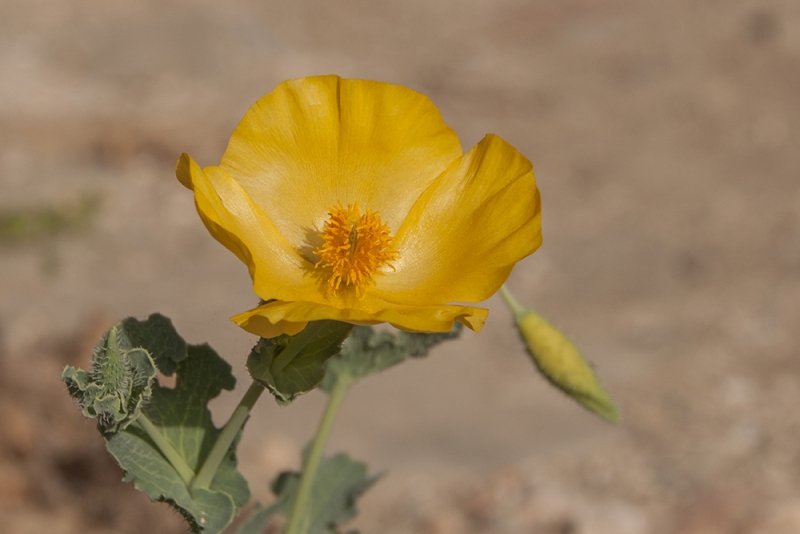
{"x": 19, "y": 225}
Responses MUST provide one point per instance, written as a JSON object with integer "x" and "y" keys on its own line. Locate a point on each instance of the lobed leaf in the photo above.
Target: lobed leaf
{"x": 338, "y": 484}
{"x": 159, "y": 338}
{"x": 369, "y": 351}
{"x": 176, "y": 419}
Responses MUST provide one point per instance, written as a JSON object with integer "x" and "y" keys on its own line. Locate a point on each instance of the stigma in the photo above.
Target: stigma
{"x": 355, "y": 248}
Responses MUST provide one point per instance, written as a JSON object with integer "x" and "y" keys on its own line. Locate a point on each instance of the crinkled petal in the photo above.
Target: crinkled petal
{"x": 280, "y": 317}
{"x": 314, "y": 142}
{"x": 467, "y": 230}
{"x": 235, "y": 221}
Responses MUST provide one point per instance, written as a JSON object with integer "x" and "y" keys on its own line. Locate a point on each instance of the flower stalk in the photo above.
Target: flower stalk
{"x": 516, "y": 307}
{"x": 298, "y": 517}
{"x": 227, "y": 437}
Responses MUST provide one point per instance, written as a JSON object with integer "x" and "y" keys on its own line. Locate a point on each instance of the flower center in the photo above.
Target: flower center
{"x": 355, "y": 247}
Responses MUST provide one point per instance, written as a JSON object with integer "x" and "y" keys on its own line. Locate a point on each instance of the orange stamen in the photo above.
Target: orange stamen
{"x": 355, "y": 247}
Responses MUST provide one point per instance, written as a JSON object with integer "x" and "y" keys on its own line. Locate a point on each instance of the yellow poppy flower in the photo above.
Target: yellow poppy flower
{"x": 352, "y": 200}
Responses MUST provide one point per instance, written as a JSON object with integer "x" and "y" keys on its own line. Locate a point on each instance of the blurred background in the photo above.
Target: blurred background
{"x": 666, "y": 143}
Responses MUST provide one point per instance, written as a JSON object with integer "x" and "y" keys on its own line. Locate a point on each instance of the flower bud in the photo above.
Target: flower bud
{"x": 118, "y": 385}
{"x": 560, "y": 361}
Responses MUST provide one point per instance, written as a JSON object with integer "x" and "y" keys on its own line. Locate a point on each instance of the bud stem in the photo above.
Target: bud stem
{"x": 166, "y": 448}
{"x": 515, "y": 306}
{"x": 227, "y": 436}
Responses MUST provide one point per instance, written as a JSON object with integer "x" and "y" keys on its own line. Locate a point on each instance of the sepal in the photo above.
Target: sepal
{"x": 289, "y": 366}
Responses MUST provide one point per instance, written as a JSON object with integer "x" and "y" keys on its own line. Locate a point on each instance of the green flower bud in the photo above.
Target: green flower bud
{"x": 118, "y": 385}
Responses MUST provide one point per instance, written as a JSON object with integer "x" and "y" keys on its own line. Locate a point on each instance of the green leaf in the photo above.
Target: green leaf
{"x": 173, "y": 433}
{"x": 159, "y": 338}
{"x": 289, "y": 366}
{"x": 369, "y": 351}
{"x": 560, "y": 361}
{"x": 183, "y": 419}
{"x": 338, "y": 483}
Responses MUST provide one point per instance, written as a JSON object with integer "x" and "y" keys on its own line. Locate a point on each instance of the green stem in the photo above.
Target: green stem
{"x": 242, "y": 411}
{"x": 166, "y": 448}
{"x": 298, "y": 518}
{"x": 227, "y": 436}
{"x": 297, "y": 344}
{"x": 515, "y": 306}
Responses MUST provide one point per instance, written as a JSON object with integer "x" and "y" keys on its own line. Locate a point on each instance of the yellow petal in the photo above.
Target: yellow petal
{"x": 314, "y": 142}
{"x": 236, "y": 222}
{"x": 279, "y": 317}
{"x": 467, "y": 230}
{"x": 460, "y": 222}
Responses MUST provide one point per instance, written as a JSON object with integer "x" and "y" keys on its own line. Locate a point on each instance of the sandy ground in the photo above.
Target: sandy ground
{"x": 665, "y": 140}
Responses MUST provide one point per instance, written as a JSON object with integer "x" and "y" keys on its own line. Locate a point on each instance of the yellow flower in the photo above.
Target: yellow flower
{"x": 352, "y": 200}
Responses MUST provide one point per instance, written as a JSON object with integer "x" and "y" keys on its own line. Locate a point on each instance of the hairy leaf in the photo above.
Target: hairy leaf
{"x": 369, "y": 351}
{"x": 173, "y": 432}
{"x": 338, "y": 483}
{"x": 159, "y": 338}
